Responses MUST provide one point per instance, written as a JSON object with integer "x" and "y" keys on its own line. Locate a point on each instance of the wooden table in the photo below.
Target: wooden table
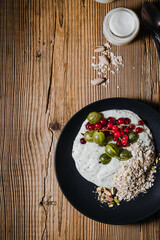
{"x": 45, "y": 72}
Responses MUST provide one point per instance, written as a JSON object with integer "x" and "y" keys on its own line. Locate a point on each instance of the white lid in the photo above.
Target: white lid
{"x": 120, "y": 26}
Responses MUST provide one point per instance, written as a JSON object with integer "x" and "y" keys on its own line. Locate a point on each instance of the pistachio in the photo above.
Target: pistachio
{"x": 117, "y": 201}
{"x": 104, "y": 60}
{"x": 113, "y": 190}
{"x": 157, "y": 160}
{"x": 110, "y": 199}
{"x": 103, "y": 195}
{"x": 99, "y": 189}
{"x": 99, "y": 49}
{"x": 107, "y": 192}
{"x": 110, "y": 205}
{"x": 97, "y": 81}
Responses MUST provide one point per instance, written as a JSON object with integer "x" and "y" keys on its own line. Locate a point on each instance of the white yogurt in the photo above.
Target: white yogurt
{"x": 86, "y": 156}
{"x": 120, "y": 26}
{"x": 122, "y": 23}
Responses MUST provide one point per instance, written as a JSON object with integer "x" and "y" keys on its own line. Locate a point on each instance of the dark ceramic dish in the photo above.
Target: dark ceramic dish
{"x": 79, "y": 191}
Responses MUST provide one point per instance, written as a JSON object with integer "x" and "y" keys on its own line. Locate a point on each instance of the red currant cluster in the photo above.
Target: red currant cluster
{"x": 118, "y": 128}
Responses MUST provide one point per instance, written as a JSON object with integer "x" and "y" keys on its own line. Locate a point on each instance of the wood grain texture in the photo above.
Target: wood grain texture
{"x": 45, "y": 72}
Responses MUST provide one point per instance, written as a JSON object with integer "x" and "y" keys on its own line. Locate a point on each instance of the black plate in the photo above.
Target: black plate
{"x": 79, "y": 191}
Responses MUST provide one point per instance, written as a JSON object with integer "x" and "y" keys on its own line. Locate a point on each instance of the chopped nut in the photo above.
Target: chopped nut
{"x": 117, "y": 201}
{"x": 107, "y": 192}
{"x": 97, "y": 81}
{"x": 113, "y": 72}
{"x": 107, "y": 61}
{"x": 107, "y": 45}
{"x": 110, "y": 199}
{"x": 157, "y": 160}
{"x": 104, "y": 60}
{"x": 99, "y": 189}
{"x": 99, "y": 49}
{"x": 110, "y": 205}
{"x": 103, "y": 84}
{"x": 113, "y": 190}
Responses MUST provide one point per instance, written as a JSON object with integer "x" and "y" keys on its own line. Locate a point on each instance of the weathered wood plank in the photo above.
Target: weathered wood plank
{"x": 45, "y": 73}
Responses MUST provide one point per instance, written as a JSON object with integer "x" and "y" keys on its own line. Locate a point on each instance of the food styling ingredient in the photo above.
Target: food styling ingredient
{"x": 98, "y": 137}
{"x": 133, "y": 137}
{"x": 97, "y": 81}
{"x": 99, "y": 49}
{"x": 139, "y": 130}
{"x": 83, "y": 141}
{"x": 88, "y": 136}
{"x": 137, "y": 176}
{"x": 107, "y": 196}
{"x": 121, "y": 23}
{"x": 94, "y": 117}
{"x": 107, "y": 62}
{"x": 112, "y": 150}
{"x": 124, "y": 154}
{"x": 104, "y": 159}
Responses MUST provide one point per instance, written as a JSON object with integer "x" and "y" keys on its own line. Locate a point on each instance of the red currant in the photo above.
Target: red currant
{"x": 87, "y": 125}
{"x": 140, "y": 122}
{"x": 103, "y": 121}
{"x": 115, "y": 139}
{"x": 111, "y": 133}
{"x": 116, "y": 122}
{"x": 114, "y": 128}
{"x": 126, "y": 144}
{"x": 117, "y": 134}
{"x": 104, "y": 127}
{"x": 119, "y": 144}
{"x": 97, "y": 126}
{"x": 139, "y": 130}
{"x": 124, "y": 141}
{"x": 82, "y": 141}
{"x": 109, "y": 125}
{"x": 111, "y": 120}
{"x": 120, "y": 120}
{"x": 91, "y": 127}
{"x": 126, "y": 130}
{"x": 127, "y": 121}
{"x": 125, "y": 137}
{"x": 122, "y": 133}
{"x": 132, "y": 127}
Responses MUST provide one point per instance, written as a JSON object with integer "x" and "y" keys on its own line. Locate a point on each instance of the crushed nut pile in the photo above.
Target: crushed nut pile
{"x": 107, "y": 62}
{"x": 138, "y": 175}
{"x": 107, "y": 196}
